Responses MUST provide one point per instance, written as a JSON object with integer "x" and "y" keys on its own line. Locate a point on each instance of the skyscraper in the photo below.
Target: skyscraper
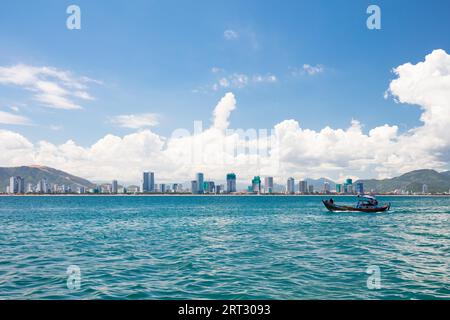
{"x": 360, "y": 188}
{"x": 42, "y": 186}
{"x": 177, "y": 187}
{"x": 348, "y": 186}
{"x": 268, "y": 184}
{"x": 114, "y": 186}
{"x": 311, "y": 189}
{"x": 303, "y": 186}
{"x": 326, "y": 187}
{"x": 290, "y": 185}
{"x": 231, "y": 182}
{"x": 200, "y": 180}
{"x": 338, "y": 188}
{"x": 209, "y": 187}
{"x": 16, "y": 185}
{"x": 256, "y": 184}
{"x": 12, "y": 188}
{"x": 425, "y": 189}
{"x": 194, "y": 187}
{"x": 148, "y": 182}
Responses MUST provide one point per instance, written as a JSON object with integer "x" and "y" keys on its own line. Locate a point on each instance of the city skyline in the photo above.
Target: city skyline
{"x": 199, "y": 186}
{"x": 330, "y": 110}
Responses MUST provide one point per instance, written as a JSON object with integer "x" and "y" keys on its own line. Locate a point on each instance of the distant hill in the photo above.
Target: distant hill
{"x": 412, "y": 182}
{"x": 32, "y": 174}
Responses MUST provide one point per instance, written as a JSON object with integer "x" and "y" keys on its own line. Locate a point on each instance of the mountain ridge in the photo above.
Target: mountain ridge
{"x": 412, "y": 181}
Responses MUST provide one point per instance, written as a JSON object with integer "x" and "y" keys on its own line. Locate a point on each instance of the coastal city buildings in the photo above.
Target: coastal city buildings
{"x": 326, "y": 187}
{"x": 148, "y": 182}
{"x": 18, "y": 185}
{"x": 194, "y": 187}
{"x": 268, "y": 185}
{"x": 231, "y": 182}
{"x": 209, "y": 187}
{"x": 348, "y": 186}
{"x": 359, "y": 188}
{"x": 256, "y": 185}
{"x": 42, "y": 186}
{"x": 290, "y": 186}
{"x": 114, "y": 187}
{"x": 200, "y": 186}
{"x": 220, "y": 189}
{"x": 177, "y": 187}
{"x": 303, "y": 187}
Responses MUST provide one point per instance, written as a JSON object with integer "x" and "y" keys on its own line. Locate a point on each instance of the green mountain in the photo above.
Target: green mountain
{"x": 447, "y": 173}
{"x": 32, "y": 174}
{"x": 412, "y": 182}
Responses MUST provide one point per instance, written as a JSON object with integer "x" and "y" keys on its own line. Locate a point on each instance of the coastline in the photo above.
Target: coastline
{"x": 218, "y": 195}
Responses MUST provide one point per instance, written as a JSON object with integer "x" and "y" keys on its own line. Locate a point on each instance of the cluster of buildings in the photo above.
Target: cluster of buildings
{"x": 17, "y": 186}
{"x": 197, "y": 186}
{"x": 349, "y": 188}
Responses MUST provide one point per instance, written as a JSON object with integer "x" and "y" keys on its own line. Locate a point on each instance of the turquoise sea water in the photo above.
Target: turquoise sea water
{"x": 222, "y": 248}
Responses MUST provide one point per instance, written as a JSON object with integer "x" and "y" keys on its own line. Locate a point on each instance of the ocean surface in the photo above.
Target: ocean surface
{"x": 225, "y": 247}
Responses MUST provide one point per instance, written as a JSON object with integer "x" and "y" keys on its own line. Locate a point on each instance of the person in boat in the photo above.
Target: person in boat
{"x": 331, "y": 201}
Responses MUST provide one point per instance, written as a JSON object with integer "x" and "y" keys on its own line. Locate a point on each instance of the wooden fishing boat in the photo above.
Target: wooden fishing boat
{"x": 365, "y": 204}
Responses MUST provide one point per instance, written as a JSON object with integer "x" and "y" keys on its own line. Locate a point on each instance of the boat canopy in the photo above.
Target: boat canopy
{"x": 366, "y": 197}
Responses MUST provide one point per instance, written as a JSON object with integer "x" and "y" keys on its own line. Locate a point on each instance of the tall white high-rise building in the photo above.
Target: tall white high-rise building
{"x": 12, "y": 188}
{"x": 16, "y": 185}
{"x": 42, "y": 186}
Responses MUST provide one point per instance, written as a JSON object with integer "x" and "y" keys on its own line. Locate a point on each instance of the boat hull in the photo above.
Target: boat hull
{"x": 333, "y": 207}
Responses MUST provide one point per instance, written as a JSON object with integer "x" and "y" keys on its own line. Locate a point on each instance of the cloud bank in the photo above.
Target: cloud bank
{"x": 294, "y": 150}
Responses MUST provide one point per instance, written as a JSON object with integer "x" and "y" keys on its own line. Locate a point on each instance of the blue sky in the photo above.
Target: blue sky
{"x": 158, "y": 57}
{"x": 151, "y": 55}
